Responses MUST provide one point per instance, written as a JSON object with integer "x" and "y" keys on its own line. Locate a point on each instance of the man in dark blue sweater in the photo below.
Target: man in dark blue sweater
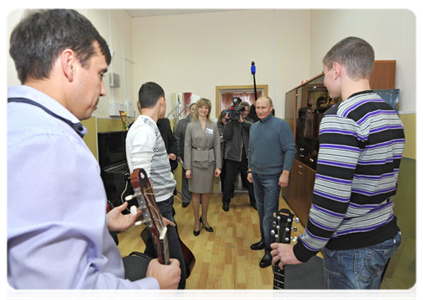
{"x": 270, "y": 157}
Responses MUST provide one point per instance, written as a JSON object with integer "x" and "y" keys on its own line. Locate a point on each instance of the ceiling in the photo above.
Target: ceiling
{"x": 139, "y": 13}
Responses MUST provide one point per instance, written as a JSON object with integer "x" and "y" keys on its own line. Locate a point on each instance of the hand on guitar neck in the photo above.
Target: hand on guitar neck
{"x": 283, "y": 251}
{"x": 168, "y": 276}
{"x": 284, "y": 254}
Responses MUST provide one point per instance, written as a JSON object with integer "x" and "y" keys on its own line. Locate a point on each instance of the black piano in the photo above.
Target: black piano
{"x": 113, "y": 165}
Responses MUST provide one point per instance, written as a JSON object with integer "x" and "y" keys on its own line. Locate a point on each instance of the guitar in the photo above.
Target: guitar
{"x": 282, "y": 222}
{"x": 151, "y": 217}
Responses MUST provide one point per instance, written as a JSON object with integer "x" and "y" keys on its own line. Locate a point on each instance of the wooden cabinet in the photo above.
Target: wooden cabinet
{"x": 383, "y": 75}
{"x": 299, "y": 192}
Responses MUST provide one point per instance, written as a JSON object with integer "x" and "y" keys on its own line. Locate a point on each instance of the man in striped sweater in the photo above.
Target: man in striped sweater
{"x": 361, "y": 143}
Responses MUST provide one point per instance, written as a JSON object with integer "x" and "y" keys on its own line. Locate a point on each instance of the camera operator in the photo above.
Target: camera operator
{"x": 236, "y": 133}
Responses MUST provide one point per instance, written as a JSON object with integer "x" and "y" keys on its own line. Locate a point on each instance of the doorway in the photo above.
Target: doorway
{"x": 225, "y": 94}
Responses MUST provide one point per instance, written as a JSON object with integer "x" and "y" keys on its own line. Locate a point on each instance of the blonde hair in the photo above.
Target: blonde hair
{"x": 202, "y": 102}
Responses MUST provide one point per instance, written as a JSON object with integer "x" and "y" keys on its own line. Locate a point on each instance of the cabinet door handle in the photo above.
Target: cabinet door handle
{"x": 300, "y": 166}
{"x": 301, "y": 173}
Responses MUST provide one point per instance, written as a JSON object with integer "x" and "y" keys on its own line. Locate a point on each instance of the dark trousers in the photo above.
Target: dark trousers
{"x": 232, "y": 169}
{"x": 175, "y": 251}
{"x": 186, "y": 194}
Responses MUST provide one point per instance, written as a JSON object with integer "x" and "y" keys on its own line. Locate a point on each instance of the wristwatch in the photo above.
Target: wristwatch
{"x": 249, "y": 171}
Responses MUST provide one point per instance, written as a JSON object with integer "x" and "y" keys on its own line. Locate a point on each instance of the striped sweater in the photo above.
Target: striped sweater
{"x": 361, "y": 144}
{"x": 146, "y": 149}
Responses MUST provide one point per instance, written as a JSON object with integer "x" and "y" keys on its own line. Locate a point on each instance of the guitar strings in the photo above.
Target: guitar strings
{"x": 152, "y": 201}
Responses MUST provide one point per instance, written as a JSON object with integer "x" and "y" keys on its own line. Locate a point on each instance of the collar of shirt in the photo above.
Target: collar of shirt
{"x": 267, "y": 118}
{"x": 23, "y": 91}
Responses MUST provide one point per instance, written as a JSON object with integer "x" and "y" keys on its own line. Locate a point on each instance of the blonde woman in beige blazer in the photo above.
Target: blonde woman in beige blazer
{"x": 202, "y": 160}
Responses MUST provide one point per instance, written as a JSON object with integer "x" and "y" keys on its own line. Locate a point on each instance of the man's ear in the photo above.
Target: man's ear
{"x": 68, "y": 61}
{"x": 162, "y": 100}
{"x": 338, "y": 69}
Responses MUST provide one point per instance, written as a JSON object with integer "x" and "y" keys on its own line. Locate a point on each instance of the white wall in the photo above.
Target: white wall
{"x": 392, "y": 33}
{"x": 197, "y": 52}
{"x": 116, "y": 27}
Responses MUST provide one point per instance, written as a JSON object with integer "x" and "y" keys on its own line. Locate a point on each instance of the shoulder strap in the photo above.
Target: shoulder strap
{"x": 78, "y": 127}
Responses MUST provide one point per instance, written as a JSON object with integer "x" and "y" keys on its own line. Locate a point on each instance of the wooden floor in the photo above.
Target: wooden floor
{"x": 223, "y": 258}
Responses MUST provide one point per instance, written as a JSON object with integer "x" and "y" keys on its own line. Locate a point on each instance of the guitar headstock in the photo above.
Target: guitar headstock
{"x": 282, "y": 226}
{"x": 146, "y": 203}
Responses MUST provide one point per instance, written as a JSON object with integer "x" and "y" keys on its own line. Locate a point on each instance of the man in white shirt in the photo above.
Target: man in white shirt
{"x": 146, "y": 149}
{"x": 57, "y": 227}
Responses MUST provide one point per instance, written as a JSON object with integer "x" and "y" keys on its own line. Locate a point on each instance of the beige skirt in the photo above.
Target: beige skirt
{"x": 202, "y": 179}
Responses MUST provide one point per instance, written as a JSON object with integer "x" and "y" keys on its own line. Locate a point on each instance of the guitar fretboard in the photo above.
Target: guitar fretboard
{"x": 279, "y": 278}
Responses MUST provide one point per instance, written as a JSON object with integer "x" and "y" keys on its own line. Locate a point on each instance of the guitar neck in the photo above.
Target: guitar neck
{"x": 282, "y": 233}
{"x": 279, "y": 278}
{"x": 163, "y": 248}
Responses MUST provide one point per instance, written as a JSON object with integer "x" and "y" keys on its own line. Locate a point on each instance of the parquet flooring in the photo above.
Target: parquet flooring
{"x": 223, "y": 258}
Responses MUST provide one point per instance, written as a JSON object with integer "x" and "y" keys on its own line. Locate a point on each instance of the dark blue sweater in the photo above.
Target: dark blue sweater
{"x": 272, "y": 147}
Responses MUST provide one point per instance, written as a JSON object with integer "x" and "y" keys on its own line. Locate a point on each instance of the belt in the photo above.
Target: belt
{"x": 202, "y": 149}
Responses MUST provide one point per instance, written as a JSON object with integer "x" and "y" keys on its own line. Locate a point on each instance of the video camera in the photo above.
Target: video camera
{"x": 234, "y": 110}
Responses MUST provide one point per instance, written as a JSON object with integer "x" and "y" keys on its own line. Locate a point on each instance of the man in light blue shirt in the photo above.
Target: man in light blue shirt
{"x": 57, "y": 229}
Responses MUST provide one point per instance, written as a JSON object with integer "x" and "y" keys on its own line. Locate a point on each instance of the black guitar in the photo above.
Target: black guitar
{"x": 282, "y": 222}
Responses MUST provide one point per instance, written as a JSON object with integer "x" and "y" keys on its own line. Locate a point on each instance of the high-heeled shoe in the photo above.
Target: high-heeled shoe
{"x": 209, "y": 229}
{"x": 196, "y": 233}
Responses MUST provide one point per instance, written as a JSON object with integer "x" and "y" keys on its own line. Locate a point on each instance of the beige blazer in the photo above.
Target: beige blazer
{"x": 202, "y": 147}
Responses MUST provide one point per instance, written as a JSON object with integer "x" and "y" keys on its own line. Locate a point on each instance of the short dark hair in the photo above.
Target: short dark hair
{"x": 149, "y": 94}
{"x": 355, "y": 54}
{"x": 39, "y": 38}
{"x": 244, "y": 104}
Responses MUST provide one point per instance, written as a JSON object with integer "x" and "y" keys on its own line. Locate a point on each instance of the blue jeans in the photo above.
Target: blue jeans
{"x": 266, "y": 192}
{"x": 358, "y": 268}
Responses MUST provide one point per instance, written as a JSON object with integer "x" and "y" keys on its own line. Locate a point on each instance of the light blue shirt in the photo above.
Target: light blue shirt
{"x": 57, "y": 236}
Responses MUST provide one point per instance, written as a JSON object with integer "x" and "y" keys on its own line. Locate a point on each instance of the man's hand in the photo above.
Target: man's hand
{"x": 188, "y": 174}
{"x": 284, "y": 178}
{"x": 118, "y": 221}
{"x": 168, "y": 276}
{"x": 250, "y": 177}
{"x": 167, "y": 222}
{"x": 172, "y": 156}
{"x": 217, "y": 172}
{"x": 284, "y": 254}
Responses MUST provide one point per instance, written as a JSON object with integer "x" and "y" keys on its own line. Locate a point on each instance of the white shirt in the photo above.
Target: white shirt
{"x": 146, "y": 149}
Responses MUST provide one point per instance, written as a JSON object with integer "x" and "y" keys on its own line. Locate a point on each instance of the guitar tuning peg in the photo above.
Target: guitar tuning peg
{"x": 294, "y": 229}
{"x": 272, "y": 232}
{"x": 294, "y": 239}
{"x": 129, "y": 197}
{"x": 274, "y": 215}
{"x": 296, "y": 220}
{"x": 134, "y": 210}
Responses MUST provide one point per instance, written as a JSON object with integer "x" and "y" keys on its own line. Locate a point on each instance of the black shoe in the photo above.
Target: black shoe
{"x": 253, "y": 204}
{"x": 266, "y": 260}
{"x": 225, "y": 206}
{"x": 258, "y": 246}
{"x": 185, "y": 204}
{"x": 209, "y": 229}
{"x": 196, "y": 233}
